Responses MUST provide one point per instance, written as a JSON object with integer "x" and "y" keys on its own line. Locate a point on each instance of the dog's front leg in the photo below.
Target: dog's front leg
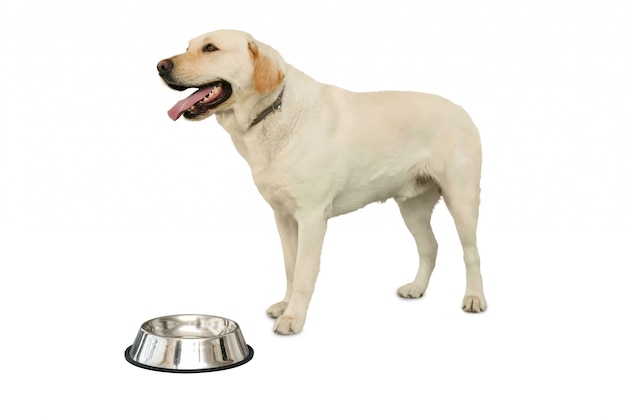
{"x": 310, "y": 237}
{"x": 288, "y": 231}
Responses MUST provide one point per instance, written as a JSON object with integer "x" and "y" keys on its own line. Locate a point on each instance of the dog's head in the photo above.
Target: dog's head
{"x": 223, "y": 66}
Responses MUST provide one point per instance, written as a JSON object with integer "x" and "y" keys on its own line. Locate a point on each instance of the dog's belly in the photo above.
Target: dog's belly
{"x": 357, "y": 196}
{"x": 286, "y": 199}
{"x": 335, "y": 197}
{"x": 347, "y": 203}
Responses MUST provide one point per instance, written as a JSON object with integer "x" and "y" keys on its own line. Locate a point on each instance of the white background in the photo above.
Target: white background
{"x": 111, "y": 214}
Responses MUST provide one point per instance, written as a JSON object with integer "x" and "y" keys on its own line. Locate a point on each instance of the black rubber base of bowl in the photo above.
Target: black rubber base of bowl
{"x": 189, "y": 371}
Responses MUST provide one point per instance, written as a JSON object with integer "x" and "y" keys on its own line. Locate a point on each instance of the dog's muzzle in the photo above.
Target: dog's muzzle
{"x": 208, "y": 96}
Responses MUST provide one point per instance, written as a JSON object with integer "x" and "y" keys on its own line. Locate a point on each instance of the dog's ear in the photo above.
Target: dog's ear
{"x": 267, "y": 74}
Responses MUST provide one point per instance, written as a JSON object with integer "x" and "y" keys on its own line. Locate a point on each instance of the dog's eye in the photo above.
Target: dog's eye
{"x": 209, "y": 47}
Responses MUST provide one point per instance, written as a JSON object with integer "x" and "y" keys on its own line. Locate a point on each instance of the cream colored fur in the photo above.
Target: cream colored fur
{"x": 328, "y": 151}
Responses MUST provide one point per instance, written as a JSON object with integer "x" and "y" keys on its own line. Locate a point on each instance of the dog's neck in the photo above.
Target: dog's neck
{"x": 273, "y": 107}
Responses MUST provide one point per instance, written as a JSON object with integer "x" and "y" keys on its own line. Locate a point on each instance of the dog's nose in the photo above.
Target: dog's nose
{"x": 165, "y": 66}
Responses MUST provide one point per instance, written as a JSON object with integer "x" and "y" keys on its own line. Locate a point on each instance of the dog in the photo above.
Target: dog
{"x": 317, "y": 151}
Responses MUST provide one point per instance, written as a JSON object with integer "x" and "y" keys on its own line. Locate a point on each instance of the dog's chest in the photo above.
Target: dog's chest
{"x": 275, "y": 188}
{"x": 271, "y": 173}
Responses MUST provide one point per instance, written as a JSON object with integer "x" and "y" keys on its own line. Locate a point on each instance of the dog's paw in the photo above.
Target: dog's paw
{"x": 411, "y": 291}
{"x": 277, "y": 310}
{"x": 287, "y": 325}
{"x": 474, "y": 303}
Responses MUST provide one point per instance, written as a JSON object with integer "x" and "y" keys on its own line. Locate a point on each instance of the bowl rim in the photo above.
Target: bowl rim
{"x": 235, "y": 329}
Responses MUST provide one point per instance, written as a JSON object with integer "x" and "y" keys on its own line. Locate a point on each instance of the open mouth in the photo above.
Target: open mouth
{"x": 206, "y": 98}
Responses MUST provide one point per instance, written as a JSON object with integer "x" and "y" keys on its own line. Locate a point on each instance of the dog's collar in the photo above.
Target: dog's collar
{"x": 275, "y": 106}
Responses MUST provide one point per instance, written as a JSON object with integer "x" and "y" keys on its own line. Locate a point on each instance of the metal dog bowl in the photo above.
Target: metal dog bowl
{"x": 189, "y": 343}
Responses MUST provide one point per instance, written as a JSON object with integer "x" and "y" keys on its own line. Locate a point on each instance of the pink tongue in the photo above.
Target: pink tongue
{"x": 184, "y": 105}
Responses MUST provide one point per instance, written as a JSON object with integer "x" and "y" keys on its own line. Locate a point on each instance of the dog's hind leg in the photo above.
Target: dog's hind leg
{"x": 462, "y": 198}
{"x": 416, "y": 213}
{"x": 288, "y": 231}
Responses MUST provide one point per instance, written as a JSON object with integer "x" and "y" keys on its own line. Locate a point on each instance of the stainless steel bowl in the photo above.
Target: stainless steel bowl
{"x": 189, "y": 343}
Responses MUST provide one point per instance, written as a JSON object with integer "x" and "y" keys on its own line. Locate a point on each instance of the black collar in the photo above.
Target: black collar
{"x": 275, "y": 106}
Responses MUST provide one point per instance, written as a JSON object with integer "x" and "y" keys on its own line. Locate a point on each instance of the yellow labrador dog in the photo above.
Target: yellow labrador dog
{"x": 317, "y": 151}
